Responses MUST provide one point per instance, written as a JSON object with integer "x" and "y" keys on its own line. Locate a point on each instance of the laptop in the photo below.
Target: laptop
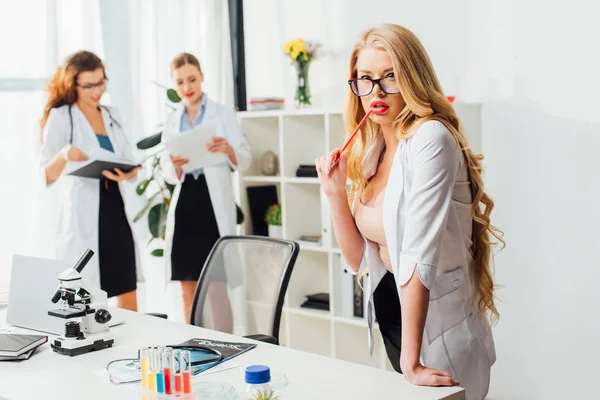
{"x": 33, "y": 282}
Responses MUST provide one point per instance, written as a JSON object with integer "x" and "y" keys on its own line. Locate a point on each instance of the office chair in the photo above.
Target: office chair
{"x": 242, "y": 286}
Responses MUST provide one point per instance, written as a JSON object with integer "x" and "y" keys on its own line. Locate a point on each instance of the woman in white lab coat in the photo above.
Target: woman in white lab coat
{"x": 92, "y": 212}
{"x": 203, "y": 206}
{"x": 416, "y": 217}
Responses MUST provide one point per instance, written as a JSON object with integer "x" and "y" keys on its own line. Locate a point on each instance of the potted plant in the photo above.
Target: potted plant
{"x": 273, "y": 220}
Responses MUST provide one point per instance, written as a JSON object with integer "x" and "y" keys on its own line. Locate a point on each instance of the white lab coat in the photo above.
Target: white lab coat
{"x": 218, "y": 177}
{"x": 428, "y": 225}
{"x": 77, "y": 200}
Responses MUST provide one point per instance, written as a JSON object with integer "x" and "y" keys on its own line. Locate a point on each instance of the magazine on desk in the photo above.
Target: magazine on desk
{"x": 228, "y": 350}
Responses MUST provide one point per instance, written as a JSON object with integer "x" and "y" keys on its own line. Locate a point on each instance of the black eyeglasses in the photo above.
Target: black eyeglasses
{"x": 364, "y": 86}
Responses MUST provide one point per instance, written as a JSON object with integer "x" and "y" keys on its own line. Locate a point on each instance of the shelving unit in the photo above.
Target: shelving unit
{"x": 298, "y": 137}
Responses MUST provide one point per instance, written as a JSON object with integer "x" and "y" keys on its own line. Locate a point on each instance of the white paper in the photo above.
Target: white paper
{"x": 192, "y": 145}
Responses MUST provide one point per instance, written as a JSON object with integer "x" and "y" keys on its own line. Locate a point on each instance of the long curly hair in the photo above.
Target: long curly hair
{"x": 425, "y": 101}
{"x": 62, "y": 87}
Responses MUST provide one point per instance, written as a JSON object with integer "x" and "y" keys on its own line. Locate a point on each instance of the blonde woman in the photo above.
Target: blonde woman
{"x": 203, "y": 205}
{"x": 416, "y": 217}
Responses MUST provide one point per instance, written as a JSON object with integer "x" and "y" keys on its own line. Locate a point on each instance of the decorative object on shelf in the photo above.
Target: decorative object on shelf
{"x": 265, "y": 103}
{"x": 301, "y": 54}
{"x": 319, "y": 301}
{"x": 306, "y": 171}
{"x": 273, "y": 220}
{"x": 269, "y": 163}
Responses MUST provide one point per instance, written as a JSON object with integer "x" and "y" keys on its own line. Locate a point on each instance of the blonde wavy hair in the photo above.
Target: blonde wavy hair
{"x": 425, "y": 101}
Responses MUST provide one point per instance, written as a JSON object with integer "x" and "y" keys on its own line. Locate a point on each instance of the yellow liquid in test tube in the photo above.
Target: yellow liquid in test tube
{"x": 145, "y": 366}
{"x": 152, "y": 381}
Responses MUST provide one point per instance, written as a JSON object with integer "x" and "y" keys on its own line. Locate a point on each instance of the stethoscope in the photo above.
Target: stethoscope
{"x": 112, "y": 120}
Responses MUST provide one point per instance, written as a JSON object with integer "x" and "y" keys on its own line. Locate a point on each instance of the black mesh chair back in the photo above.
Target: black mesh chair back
{"x": 242, "y": 286}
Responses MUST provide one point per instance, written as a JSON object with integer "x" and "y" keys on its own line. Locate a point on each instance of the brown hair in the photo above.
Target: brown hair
{"x": 425, "y": 101}
{"x": 62, "y": 87}
{"x": 185, "y": 58}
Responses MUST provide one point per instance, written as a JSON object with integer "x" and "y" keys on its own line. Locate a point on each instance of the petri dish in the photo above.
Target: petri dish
{"x": 213, "y": 390}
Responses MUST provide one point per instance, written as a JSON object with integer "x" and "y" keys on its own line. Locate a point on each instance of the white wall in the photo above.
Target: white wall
{"x": 535, "y": 66}
{"x": 268, "y": 24}
{"x": 542, "y": 174}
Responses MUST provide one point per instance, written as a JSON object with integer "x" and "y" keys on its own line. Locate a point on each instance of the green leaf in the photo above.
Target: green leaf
{"x": 173, "y": 96}
{"x": 141, "y": 188}
{"x": 156, "y": 161}
{"x": 146, "y": 207}
{"x": 157, "y": 252}
{"x": 163, "y": 220}
{"x": 157, "y": 220}
{"x": 150, "y": 141}
{"x": 170, "y": 188}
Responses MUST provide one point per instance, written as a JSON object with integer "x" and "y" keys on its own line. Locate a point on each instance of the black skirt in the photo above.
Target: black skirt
{"x": 389, "y": 317}
{"x": 116, "y": 249}
{"x": 196, "y": 230}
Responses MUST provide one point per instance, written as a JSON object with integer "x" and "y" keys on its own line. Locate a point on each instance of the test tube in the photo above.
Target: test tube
{"x": 186, "y": 368}
{"x": 167, "y": 368}
{"x": 145, "y": 367}
{"x": 178, "y": 378}
{"x": 152, "y": 374}
{"x": 160, "y": 376}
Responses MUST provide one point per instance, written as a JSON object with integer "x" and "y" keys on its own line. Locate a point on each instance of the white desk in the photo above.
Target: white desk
{"x": 48, "y": 375}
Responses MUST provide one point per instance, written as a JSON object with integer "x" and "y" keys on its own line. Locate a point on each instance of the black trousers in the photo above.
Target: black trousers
{"x": 116, "y": 249}
{"x": 389, "y": 317}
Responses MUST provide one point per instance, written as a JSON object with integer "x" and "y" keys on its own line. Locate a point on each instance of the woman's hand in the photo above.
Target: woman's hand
{"x": 72, "y": 153}
{"x": 178, "y": 162}
{"x": 333, "y": 181}
{"x": 120, "y": 175}
{"x": 221, "y": 145}
{"x": 423, "y": 376}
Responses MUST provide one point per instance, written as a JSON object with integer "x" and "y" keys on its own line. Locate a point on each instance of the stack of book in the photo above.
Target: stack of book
{"x": 19, "y": 347}
{"x": 306, "y": 171}
{"x": 319, "y": 301}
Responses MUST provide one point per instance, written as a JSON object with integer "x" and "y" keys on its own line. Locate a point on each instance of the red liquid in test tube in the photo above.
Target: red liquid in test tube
{"x": 186, "y": 367}
{"x": 167, "y": 368}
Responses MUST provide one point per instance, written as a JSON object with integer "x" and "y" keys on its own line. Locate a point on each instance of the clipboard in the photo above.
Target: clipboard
{"x": 100, "y": 160}
{"x": 93, "y": 168}
{"x": 192, "y": 145}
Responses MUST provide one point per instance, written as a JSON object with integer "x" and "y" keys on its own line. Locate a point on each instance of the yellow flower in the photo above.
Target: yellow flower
{"x": 296, "y": 48}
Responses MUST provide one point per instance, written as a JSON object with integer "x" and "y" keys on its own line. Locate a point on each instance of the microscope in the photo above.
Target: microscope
{"x": 84, "y": 308}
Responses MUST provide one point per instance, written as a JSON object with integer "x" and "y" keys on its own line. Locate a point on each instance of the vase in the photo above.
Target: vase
{"x": 302, "y": 90}
{"x": 275, "y": 231}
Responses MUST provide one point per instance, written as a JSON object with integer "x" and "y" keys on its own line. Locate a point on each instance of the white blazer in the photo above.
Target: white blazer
{"x": 218, "y": 177}
{"x": 428, "y": 226}
{"x": 78, "y": 199}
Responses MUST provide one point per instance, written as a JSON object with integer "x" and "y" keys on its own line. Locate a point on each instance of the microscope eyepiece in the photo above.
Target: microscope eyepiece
{"x": 83, "y": 260}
